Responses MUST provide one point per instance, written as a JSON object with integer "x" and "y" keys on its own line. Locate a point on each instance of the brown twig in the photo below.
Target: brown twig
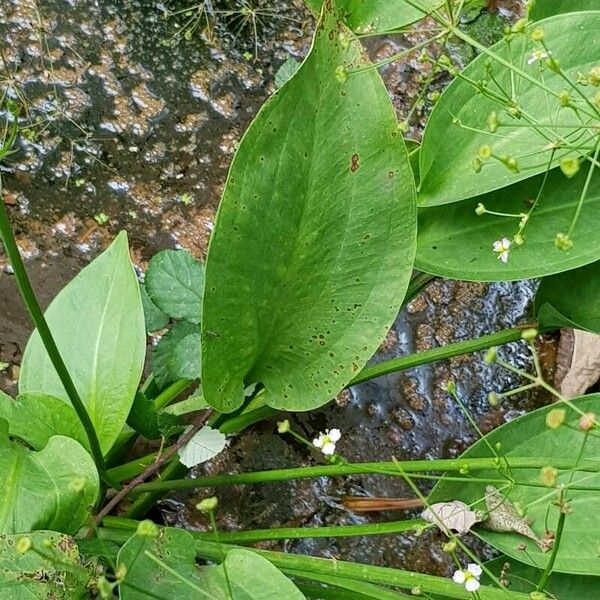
{"x": 153, "y": 468}
{"x": 371, "y": 504}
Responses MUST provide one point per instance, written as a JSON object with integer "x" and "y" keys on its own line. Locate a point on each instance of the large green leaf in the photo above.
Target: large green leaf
{"x": 174, "y": 282}
{"x": 457, "y": 128}
{"x": 542, "y": 9}
{"x": 380, "y": 15}
{"x": 454, "y": 242}
{"x": 97, "y": 321}
{"x": 314, "y": 242}
{"x": 35, "y": 419}
{"x": 50, "y": 489}
{"x": 529, "y": 437}
{"x": 50, "y": 570}
{"x": 571, "y": 299}
{"x": 165, "y": 565}
{"x": 524, "y": 578}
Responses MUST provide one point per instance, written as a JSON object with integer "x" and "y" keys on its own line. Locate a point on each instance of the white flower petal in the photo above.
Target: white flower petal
{"x": 474, "y": 569}
{"x": 506, "y": 243}
{"x": 497, "y": 246}
{"x": 503, "y": 256}
{"x": 472, "y": 585}
{"x": 459, "y": 576}
{"x": 328, "y": 448}
{"x": 334, "y": 435}
{"x": 319, "y": 442}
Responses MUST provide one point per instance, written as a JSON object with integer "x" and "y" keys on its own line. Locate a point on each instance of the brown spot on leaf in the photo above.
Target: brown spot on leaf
{"x": 354, "y": 165}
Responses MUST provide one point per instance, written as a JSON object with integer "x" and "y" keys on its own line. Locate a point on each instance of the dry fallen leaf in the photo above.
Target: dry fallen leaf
{"x": 454, "y": 516}
{"x": 578, "y": 362}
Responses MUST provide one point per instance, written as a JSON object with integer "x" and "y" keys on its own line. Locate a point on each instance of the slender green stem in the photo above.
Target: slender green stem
{"x": 289, "y": 533}
{"x": 441, "y": 586}
{"x": 37, "y": 316}
{"x": 241, "y": 421}
{"x": 548, "y": 570}
{"x": 377, "y": 468}
{"x": 421, "y": 358}
{"x": 169, "y": 394}
{"x": 145, "y": 502}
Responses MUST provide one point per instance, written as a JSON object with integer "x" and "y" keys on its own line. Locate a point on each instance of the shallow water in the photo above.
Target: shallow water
{"x": 133, "y": 123}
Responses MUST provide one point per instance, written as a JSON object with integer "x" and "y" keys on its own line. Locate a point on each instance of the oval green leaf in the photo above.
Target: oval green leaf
{"x": 458, "y": 128}
{"x": 380, "y": 15}
{"x": 97, "y": 321}
{"x": 528, "y": 437}
{"x": 51, "y": 489}
{"x": 571, "y": 299}
{"x": 174, "y": 281}
{"x": 454, "y": 242}
{"x": 52, "y": 569}
{"x": 165, "y": 565}
{"x": 542, "y": 9}
{"x": 314, "y": 242}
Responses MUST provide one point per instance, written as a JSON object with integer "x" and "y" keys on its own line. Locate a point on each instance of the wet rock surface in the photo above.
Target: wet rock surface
{"x": 130, "y": 124}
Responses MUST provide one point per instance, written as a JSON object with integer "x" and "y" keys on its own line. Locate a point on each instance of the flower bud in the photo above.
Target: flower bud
{"x": 493, "y": 399}
{"x": 537, "y": 35}
{"x": 548, "y": 476}
{"x": 484, "y": 152}
{"x": 23, "y": 545}
{"x": 529, "y": 334}
{"x": 564, "y": 98}
{"x": 341, "y": 74}
{"x": 569, "y": 166}
{"x": 555, "y": 418}
{"x": 208, "y": 505}
{"x": 491, "y": 356}
{"x": 587, "y": 421}
{"x": 147, "y": 528}
{"x": 563, "y": 242}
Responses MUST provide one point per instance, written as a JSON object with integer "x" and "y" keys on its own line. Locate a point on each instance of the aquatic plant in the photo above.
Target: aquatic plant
{"x": 325, "y": 215}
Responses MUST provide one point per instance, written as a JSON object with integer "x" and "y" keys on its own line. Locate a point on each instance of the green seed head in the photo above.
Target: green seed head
{"x": 484, "y": 152}
{"x": 283, "y": 426}
{"x": 555, "y": 418}
{"x": 564, "y": 98}
{"x": 529, "y": 334}
{"x": 537, "y": 35}
{"x": 569, "y": 166}
{"x": 563, "y": 242}
{"x": 23, "y": 545}
{"x": 147, "y": 528}
{"x": 492, "y": 121}
{"x": 208, "y": 505}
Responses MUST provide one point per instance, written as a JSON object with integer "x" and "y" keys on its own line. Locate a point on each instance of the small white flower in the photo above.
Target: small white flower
{"x": 537, "y": 55}
{"x": 326, "y": 441}
{"x": 502, "y": 247}
{"x": 469, "y": 578}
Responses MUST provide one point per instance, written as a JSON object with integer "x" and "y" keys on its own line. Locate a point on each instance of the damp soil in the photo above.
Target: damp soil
{"x": 133, "y": 110}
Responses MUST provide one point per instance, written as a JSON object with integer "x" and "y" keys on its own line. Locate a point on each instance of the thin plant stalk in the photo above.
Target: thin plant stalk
{"x": 376, "y": 468}
{"x": 37, "y": 316}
